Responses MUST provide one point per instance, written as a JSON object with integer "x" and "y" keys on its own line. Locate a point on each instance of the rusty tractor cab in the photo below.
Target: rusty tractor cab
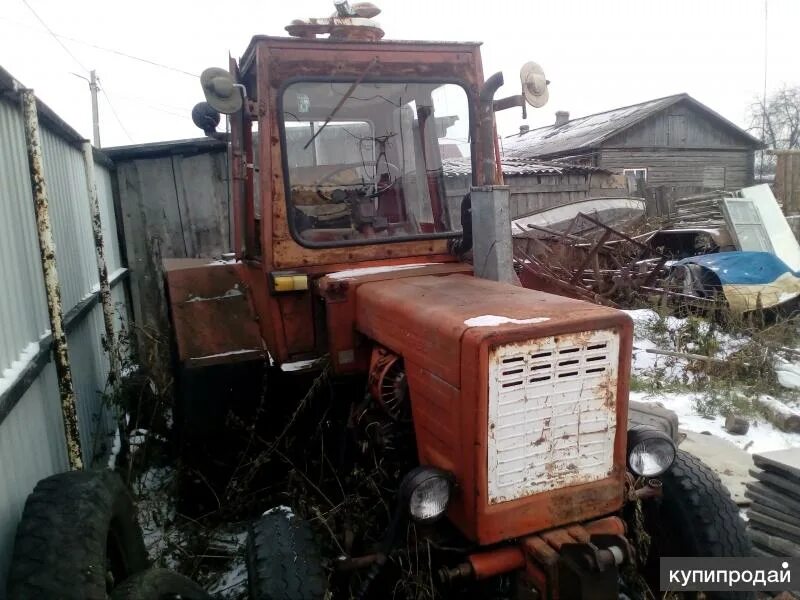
{"x": 349, "y": 258}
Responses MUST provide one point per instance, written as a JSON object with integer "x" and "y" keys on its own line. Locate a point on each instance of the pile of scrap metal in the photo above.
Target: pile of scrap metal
{"x": 587, "y": 249}
{"x": 754, "y": 259}
{"x": 727, "y": 249}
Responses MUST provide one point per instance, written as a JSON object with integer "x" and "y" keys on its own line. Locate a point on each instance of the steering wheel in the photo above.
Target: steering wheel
{"x": 394, "y": 173}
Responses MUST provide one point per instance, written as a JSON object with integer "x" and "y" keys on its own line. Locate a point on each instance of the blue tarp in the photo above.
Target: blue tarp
{"x": 742, "y": 268}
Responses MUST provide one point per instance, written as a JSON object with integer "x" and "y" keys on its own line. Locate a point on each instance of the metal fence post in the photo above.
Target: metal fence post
{"x": 51, "y": 284}
{"x": 102, "y": 268}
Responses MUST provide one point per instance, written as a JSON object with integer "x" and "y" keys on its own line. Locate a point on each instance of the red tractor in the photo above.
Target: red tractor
{"x": 520, "y": 474}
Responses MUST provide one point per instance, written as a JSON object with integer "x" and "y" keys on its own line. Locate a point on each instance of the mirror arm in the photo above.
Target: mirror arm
{"x": 511, "y": 102}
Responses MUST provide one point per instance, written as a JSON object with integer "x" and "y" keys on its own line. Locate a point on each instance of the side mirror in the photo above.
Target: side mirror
{"x": 534, "y": 84}
{"x": 221, "y": 91}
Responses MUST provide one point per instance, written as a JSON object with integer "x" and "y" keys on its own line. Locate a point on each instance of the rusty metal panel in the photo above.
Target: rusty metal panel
{"x": 552, "y": 413}
{"x": 212, "y": 315}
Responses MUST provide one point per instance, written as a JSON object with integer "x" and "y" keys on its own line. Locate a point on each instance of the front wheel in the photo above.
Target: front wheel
{"x": 695, "y": 517}
{"x": 283, "y": 562}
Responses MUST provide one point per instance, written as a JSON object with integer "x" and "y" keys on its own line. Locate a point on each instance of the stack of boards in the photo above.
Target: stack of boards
{"x": 774, "y": 514}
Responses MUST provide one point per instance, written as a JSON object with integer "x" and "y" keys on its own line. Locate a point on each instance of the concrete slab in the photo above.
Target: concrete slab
{"x": 774, "y": 544}
{"x": 784, "y": 462}
{"x": 774, "y": 480}
{"x": 728, "y": 461}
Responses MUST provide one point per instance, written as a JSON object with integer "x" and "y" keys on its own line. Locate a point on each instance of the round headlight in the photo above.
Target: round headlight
{"x": 650, "y": 452}
{"x": 427, "y": 493}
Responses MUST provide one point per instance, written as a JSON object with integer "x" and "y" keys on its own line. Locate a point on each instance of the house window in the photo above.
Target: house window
{"x": 638, "y": 173}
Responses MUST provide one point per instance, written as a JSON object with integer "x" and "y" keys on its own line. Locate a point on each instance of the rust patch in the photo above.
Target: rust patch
{"x": 607, "y": 389}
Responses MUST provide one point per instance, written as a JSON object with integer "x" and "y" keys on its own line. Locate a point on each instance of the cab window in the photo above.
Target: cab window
{"x": 366, "y": 163}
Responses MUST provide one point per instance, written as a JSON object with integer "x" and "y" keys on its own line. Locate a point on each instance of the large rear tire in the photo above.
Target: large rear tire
{"x": 283, "y": 561}
{"x": 696, "y": 517}
{"x": 78, "y": 537}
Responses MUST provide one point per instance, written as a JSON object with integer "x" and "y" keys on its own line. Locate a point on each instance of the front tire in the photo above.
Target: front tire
{"x": 283, "y": 561}
{"x": 695, "y": 517}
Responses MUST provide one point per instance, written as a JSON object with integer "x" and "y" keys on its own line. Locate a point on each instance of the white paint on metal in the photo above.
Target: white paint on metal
{"x": 224, "y": 354}
{"x": 52, "y": 283}
{"x": 231, "y": 293}
{"x": 494, "y": 320}
{"x": 374, "y": 270}
{"x": 302, "y": 365}
{"x": 100, "y": 256}
{"x": 552, "y": 413}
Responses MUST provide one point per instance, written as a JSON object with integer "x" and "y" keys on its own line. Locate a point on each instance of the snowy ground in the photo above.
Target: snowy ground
{"x": 171, "y": 539}
{"x": 762, "y": 435}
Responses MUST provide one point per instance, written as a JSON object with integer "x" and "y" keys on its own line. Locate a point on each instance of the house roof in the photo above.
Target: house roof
{"x": 455, "y": 167}
{"x": 585, "y": 133}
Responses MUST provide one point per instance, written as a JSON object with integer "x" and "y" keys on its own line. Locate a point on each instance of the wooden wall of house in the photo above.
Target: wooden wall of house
{"x": 679, "y": 167}
{"x": 530, "y": 193}
{"x": 684, "y": 148}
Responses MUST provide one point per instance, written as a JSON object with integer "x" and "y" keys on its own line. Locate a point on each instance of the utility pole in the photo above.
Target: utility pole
{"x": 93, "y": 88}
{"x": 95, "y": 114}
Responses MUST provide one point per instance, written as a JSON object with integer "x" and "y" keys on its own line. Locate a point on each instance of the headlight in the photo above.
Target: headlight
{"x": 650, "y": 451}
{"x": 426, "y": 493}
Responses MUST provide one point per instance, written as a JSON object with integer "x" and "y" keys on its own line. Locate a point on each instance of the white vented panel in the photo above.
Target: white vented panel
{"x": 552, "y": 413}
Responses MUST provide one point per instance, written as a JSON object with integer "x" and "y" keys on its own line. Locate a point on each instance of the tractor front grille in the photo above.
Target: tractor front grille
{"x": 552, "y": 413}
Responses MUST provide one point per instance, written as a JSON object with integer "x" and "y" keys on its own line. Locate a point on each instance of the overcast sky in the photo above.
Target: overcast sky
{"x": 598, "y": 54}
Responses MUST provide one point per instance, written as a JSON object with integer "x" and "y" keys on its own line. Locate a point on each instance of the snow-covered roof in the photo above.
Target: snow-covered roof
{"x": 454, "y": 167}
{"x": 588, "y": 132}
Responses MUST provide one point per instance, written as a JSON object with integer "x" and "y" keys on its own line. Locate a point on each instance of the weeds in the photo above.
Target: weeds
{"x": 726, "y": 362}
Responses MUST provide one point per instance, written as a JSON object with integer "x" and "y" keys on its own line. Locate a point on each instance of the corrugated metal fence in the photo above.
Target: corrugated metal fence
{"x": 32, "y": 444}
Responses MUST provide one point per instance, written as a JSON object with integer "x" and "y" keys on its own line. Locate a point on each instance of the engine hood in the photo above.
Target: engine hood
{"x": 425, "y": 318}
{"x": 463, "y": 341}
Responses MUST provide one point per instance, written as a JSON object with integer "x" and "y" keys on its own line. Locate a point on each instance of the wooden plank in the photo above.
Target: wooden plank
{"x": 184, "y": 215}
{"x": 203, "y": 198}
{"x": 157, "y": 197}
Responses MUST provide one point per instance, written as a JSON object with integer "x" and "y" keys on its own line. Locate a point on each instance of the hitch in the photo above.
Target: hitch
{"x": 589, "y": 571}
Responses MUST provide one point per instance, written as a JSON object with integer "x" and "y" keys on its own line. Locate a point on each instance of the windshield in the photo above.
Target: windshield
{"x": 374, "y": 161}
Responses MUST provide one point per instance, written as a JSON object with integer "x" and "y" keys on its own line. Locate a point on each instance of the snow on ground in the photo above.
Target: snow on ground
{"x": 763, "y": 435}
{"x": 168, "y": 537}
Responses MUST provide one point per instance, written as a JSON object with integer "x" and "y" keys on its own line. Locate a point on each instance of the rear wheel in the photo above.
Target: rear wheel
{"x": 77, "y": 539}
{"x": 283, "y": 561}
{"x": 695, "y": 517}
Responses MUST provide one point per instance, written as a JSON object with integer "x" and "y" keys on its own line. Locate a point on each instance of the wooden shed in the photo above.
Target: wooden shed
{"x": 674, "y": 142}
{"x": 535, "y": 184}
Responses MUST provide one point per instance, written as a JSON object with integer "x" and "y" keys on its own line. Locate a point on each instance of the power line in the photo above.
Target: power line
{"x": 55, "y": 37}
{"x": 116, "y": 116}
{"x": 147, "y": 61}
{"x": 58, "y": 37}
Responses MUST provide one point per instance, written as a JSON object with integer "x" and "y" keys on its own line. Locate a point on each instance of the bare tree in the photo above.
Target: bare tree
{"x": 777, "y": 123}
